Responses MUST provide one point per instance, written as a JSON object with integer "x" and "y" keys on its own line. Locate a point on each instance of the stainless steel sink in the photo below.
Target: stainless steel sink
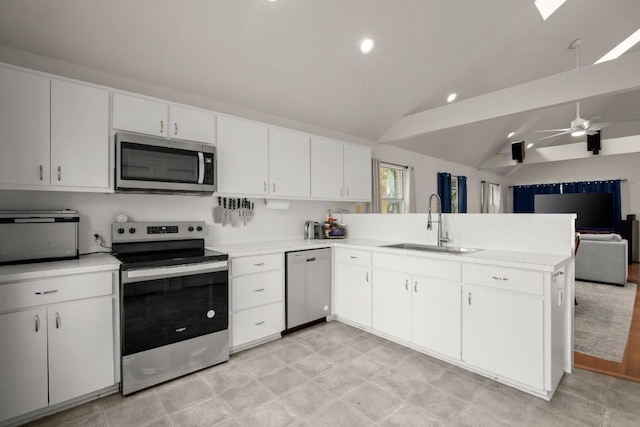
{"x": 432, "y": 248}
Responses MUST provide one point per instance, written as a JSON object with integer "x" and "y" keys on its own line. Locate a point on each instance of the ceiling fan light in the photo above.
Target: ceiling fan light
{"x": 579, "y": 132}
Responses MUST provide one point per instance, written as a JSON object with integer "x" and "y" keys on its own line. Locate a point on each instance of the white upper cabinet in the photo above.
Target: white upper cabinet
{"x": 289, "y": 167}
{"x": 340, "y": 171}
{"x": 357, "y": 172}
{"x": 155, "y": 117}
{"x": 25, "y": 121}
{"x": 326, "y": 169}
{"x": 243, "y": 150}
{"x": 191, "y": 124}
{"x": 79, "y": 135}
{"x": 142, "y": 115}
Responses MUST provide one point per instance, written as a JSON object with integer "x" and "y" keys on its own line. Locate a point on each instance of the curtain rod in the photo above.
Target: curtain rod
{"x": 597, "y": 180}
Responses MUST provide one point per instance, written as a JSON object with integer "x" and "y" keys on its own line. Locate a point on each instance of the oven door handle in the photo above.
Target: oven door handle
{"x": 151, "y": 273}
{"x": 200, "y": 167}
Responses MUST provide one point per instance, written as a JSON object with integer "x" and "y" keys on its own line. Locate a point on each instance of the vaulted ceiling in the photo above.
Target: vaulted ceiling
{"x": 299, "y": 58}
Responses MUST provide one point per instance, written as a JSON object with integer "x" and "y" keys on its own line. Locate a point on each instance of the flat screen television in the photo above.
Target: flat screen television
{"x": 594, "y": 210}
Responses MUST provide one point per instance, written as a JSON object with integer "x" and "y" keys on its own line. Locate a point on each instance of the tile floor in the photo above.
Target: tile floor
{"x": 336, "y": 375}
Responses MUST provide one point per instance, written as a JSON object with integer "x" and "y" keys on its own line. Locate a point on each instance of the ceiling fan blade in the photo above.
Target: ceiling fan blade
{"x": 556, "y": 134}
{"x": 553, "y": 130}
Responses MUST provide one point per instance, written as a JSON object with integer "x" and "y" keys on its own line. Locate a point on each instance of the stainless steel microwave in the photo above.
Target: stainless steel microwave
{"x": 147, "y": 164}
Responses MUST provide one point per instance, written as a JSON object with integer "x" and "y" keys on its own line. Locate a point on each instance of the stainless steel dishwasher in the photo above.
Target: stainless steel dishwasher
{"x": 308, "y": 286}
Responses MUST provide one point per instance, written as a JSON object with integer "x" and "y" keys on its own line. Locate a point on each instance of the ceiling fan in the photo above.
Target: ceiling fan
{"x": 579, "y": 126}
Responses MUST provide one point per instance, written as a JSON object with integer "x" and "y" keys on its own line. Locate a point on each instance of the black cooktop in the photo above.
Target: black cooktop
{"x": 152, "y": 254}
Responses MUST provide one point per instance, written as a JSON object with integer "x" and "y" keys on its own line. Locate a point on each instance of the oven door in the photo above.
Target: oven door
{"x": 165, "y": 305}
{"x": 158, "y": 165}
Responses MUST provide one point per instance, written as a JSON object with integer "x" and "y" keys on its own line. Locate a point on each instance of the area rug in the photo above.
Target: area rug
{"x": 602, "y": 319}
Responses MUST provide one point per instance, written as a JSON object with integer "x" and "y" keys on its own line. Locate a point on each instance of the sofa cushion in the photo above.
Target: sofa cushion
{"x": 612, "y": 237}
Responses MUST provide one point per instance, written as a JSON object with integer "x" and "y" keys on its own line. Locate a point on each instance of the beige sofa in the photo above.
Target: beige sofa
{"x": 602, "y": 258}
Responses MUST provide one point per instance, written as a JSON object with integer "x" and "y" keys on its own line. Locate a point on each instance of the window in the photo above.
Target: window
{"x": 454, "y": 194}
{"x": 392, "y": 191}
{"x": 490, "y": 197}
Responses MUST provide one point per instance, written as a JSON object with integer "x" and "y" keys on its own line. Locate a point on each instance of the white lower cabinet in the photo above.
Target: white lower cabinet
{"x": 59, "y": 350}
{"x": 502, "y": 332}
{"x": 257, "y": 298}
{"x": 392, "y": 303}
{"x": 353, "y": 280}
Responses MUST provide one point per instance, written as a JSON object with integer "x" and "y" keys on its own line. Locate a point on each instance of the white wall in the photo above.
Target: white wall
{"x": 589, "y": 169}
{"x": 426, "y": 169}
{"x": 98, "y": 211}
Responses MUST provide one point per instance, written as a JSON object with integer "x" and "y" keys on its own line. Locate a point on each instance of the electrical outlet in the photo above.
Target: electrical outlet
{"x": 97, "y": 237}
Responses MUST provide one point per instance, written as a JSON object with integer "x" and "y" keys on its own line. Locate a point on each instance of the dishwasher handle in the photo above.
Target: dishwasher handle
{"x": 311, "y": 259}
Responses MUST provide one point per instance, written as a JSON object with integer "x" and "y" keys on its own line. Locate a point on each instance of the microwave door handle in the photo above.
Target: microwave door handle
{"x": 200, "y": 167}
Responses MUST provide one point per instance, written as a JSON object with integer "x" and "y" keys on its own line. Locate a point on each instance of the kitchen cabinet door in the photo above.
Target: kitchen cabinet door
{"x": 23, "y": 367}
{"x": 436, "y": 315}
{"x": 502, "y": 332}
{"x": 326, "y": 169}
{"x": 357, "y": 173}
{"x": 243, "y": 150}
{"x": 79, "y": 135}
{"x": 192, "y": 125}
{"x": 391, "y": 307}
{"x": 80, "y": 348}
{"x": 353, "y": 293}
{"x": 289, "y": 163}
{"x": 135, "y": 114}
{"x": 25, "y": 135}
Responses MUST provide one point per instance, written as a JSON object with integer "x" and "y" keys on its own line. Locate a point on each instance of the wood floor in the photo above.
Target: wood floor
{"x": 630, "y": 366}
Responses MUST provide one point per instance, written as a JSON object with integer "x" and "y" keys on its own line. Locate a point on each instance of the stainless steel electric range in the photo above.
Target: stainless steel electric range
{"x": 174, "y": 302}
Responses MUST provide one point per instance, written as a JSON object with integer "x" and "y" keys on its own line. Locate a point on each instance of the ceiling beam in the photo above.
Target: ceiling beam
{"x": 620, "y": 75}
{"x": 578, "y": 150}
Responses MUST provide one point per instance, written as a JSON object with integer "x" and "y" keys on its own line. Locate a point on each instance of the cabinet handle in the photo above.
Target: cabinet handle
{"x": 37, "y": 323}
{"x": 347, "y": 192}
{"x": 58, "y": 321}
{"x": 367, "y": 277}
{"x": 59, "y": 173}
{"x": 264, "y": 186}
{"x": 353, "y": 257}
{"x": 273, "y": 184}
{"x": 469, "y": 298}
{"x": 46, "y": 292}
{"x": 259, "y": 290}
{"x": 175, "y": 128}
{"x": 161, "y": 126}
{"x": 406, "y": 284}
{"x": 260, "y": 264}
{"x": 502, "y": 279}
{"x": 41, "y": 172}
{"x": 415, "y": 287}
{"x": 341, "y": 192}
{"x": 560, "y": 297}
{"x": 259, "y": 323}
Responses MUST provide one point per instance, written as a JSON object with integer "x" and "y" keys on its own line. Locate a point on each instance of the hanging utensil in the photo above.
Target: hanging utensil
{"x": 224, "y": 213}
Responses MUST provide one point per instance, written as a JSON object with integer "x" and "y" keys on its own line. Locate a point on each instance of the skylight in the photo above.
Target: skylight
{"x": 547, "y": 7}
{"x": 626, "y": 44}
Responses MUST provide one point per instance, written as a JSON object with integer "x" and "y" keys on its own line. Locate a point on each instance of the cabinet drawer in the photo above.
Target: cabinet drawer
{"x": 55, "y": 289}
{"x": 257, "y": 289}
{"x": 253, "y": 324}
{"x": 511, "y": 279}
{"x": 353, "y": 256}
{"x": 256, "y": 264}
{"x": 428, "y": 267}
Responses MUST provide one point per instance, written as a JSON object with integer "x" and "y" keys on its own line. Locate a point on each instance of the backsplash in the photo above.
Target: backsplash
{"x": 98, "y": 211}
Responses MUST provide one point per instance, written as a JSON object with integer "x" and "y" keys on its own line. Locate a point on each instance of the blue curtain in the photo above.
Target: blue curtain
{"x": 444, "y": 190}
{"x": 462, "y": 194}
{"x": 610, "y": 186}
{"x": 523, "y": 195}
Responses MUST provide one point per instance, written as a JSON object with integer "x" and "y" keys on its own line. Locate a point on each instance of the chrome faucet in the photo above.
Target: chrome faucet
{"x": 441, "y": 239}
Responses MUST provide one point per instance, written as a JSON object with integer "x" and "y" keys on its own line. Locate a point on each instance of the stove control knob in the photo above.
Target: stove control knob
{"x": 132, "y": 230}
{"x": 190, "y": 228}
{"x": 199, "y": 228}
{"x": 120, "y": 230}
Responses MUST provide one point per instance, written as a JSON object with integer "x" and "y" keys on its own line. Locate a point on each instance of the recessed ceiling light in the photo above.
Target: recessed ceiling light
{"x": 579, "y": 132}
{"x": 367, "y": 45}
{"x": 531, "y": 144}
{"x": 510, "y": 134}
{"x": 626, "y": 44}
{"x": 547, "y": 7}
{"x": 452, "y": 97}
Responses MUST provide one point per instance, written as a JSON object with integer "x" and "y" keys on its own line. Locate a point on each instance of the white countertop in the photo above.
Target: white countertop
{"x": 529, "y": 260}
{"x": 84, "y": 264}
